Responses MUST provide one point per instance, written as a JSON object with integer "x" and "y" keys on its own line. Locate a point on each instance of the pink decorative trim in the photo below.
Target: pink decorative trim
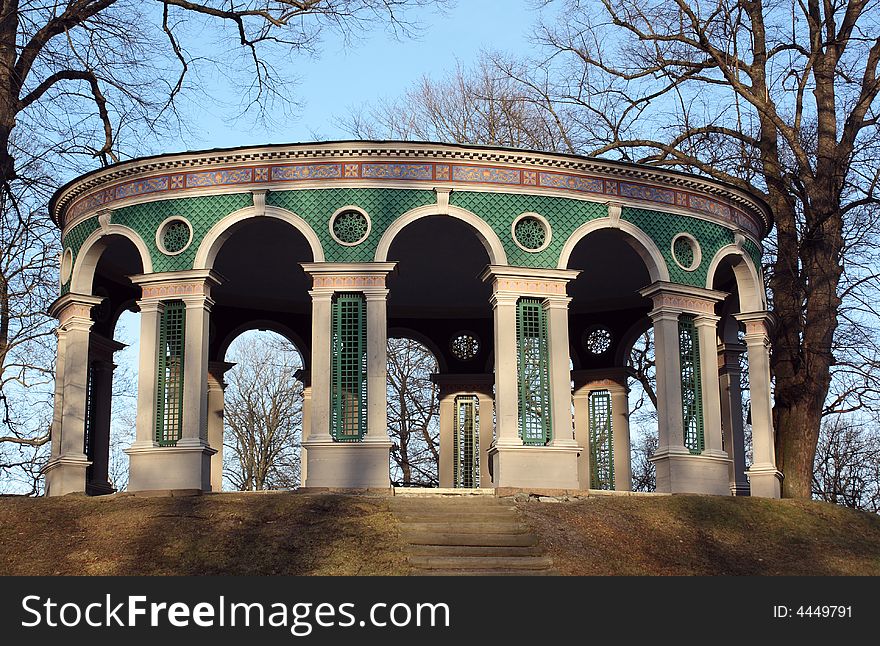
{"x": 349, "y": 281}
{"x": 543, "y": 287}
{"x": 685, "y": 303}
{"x": 171, "y": 290}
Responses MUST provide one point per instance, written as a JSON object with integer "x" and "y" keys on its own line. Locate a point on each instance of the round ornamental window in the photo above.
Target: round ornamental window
{"x": 597, "y": 340}
{"x": 174, "y": 236}
{"x": 686, "y": 251}
{"x": 66, "y": 265}
{"x": 349, "y": 226}
{"x": 464, "y": 346}
{"x": 531, "y": 232}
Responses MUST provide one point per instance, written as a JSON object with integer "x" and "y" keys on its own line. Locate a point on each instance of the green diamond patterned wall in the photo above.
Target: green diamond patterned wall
{"x": 74, "y": 239}
{"x": 754, "y": 252}
{"x": 501, "y": 209}
{"x": 663, "y": 227}
{"x": 383, "y": 206}
{"x": 201, "y": 212}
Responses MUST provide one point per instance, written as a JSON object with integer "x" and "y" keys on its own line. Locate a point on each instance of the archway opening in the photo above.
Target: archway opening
{"x": 111, "y": 386}
{"x": 262, "y": 413}
{"x": 612, "y": 353}
{"x": 438, "y": 303}
{"x": 736, "y": 431}
{"x": 413, "y": 414}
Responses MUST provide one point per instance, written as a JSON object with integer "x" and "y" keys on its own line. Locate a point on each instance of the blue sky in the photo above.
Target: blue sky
{"x": 377, "y": 66}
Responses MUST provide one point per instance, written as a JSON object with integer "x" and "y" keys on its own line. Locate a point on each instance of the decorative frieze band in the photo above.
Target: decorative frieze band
{"x": 354, "y": 282}
{"x": 574, "y": 176}
{"x": 175, "y": 290}
{"x": 536, "y": 287}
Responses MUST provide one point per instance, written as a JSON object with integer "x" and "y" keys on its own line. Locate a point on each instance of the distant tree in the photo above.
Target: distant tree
{"x": 847, "y": 470}
{"x": 263, "y": 415}
{"x": 413, "y": 414}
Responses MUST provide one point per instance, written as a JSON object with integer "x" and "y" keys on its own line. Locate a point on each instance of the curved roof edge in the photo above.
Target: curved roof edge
{"x": 749, "y": 202}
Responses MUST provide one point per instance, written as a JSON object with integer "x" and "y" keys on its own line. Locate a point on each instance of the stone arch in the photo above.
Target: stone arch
{"x": 640, "y": 241}
{"x": 213, "y": 241}
{"x": 273, "y": 326}
{"x": 485, "y": 233}
{"x": 398, "y": 332}
{"x": 93, "y": 247}
{"x": 748, "y": 279}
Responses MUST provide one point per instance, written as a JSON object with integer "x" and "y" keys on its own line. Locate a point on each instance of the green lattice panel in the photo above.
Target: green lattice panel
{"x": 201, "y": 212}
{"x": 663, "y": 227}
{"x": 501, "y": 209}
{"x": 533, "y": 372}
{"x": 382, "y": 205}
{"x": 74, "y": 239}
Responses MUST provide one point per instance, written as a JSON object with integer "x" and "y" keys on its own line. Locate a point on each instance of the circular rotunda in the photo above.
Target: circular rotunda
{"x": 528, "y": 275}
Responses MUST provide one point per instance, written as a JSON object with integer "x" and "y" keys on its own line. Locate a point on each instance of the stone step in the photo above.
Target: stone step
{"x": 483, "y": 572}
{"x": 479, "y": 527}
{"x": 480, "y": 562}
{"x": 474, "y": 550}
{"x": 450, "y": 503}
{"x": 524, "y": 539}
{"x": 415, "y": 492}
{"x": 488, "y": 515}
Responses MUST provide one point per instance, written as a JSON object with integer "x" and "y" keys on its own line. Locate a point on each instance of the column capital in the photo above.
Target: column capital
{"x": 216, "y": 371}
{"x": 177, "y": 284}
{"x": 528, "y": 281}
{"x": 706, "y": 320}
{"x": 758, "y": 325}
{"x": 728, "y": 357}
{"x": 682, "y": 299}
{"x": 74, "y": 309}
{"x": 612, "y": 379}
{"x": 454, "y": 384}
{"x": 366, "y": 277}
{"x": 556, "y": 302}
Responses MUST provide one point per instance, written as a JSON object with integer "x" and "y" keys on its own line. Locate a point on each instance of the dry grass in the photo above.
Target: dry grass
{"x": 293, "y": 534}
{"x": 703, "y": 535}
{"x": 242, "y": 534}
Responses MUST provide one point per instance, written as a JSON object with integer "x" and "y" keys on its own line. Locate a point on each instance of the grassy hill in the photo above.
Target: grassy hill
{"x": 289, "y": 533}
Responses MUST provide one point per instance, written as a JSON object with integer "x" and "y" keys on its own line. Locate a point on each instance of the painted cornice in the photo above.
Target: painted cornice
{"x": 405, "y": 164}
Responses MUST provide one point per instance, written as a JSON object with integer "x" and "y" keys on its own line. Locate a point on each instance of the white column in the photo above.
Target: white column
{"x": 148, "y": 372}
{"x": 66, "y": 470}
{"x": 195, "y": 371}
{"x": 506, "y": 392}
{"x": 319, "y": 430}
{"x": 706, "y": 326}
{"x": 582, "y": 432}
{"x": 729, "y": 375}
{"x": 306, "y": 424}
{"x": 620, "y": 437}
{"x": 560, "y": 373}
{"x": 55, "y": 433}
{"x": 668, "y": 368}
{"x": 377, "y": 367}
{"x": 446, "y": 462}
{"x": 216, "y": 406}
{"x": 765, "y": 479}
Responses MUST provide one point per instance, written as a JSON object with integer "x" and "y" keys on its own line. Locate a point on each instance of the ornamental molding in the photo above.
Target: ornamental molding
{"x": 672, "y": 297}
{"x": 177, "y": 284}
{"x": 73, "y": 306}
{"x": 340, "y": 277}
{"x": 286, "y": 167}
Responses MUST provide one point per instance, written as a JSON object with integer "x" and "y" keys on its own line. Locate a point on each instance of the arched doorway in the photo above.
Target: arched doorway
{"x": 437, "y": 297}
{"x": 608, "y": 317}
{"x": 261, "y": 306}
{"x": 262, "y": 413}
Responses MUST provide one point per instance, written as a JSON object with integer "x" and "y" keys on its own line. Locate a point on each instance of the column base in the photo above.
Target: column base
{"x": 348, "y": 465}
{"x": 765, "y": 481}
{"x": 185, "y": 466}
{"x": 740, "y": 489}
{"x": 688, "y": 473}
{"x": 541, "y": 467}
{"x": 66, "y": 474}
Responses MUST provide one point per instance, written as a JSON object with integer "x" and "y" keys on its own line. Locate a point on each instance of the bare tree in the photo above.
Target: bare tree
{"x": 847, "y": 470}
{"x": 779, "y": 99}
{"x": 263, "y": 415}
{"x": 413, "y": 414}
{"x": 89, "y": 82}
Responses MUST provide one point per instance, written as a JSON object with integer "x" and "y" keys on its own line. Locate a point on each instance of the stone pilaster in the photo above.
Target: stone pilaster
{"x": 678, "y": 470}
{"x": 216, "y": 406}
{"x": 362, "y": 464}
{"x": 729, "y": 375}
{"x": 514, "y": 464}
{"x": 765, "y": 479}
{"x": 66, "y": 470}
{"x": 186, "y": 464}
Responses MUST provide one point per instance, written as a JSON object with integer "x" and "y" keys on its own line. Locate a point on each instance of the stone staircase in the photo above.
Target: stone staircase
{"x": 466, "y": 534}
